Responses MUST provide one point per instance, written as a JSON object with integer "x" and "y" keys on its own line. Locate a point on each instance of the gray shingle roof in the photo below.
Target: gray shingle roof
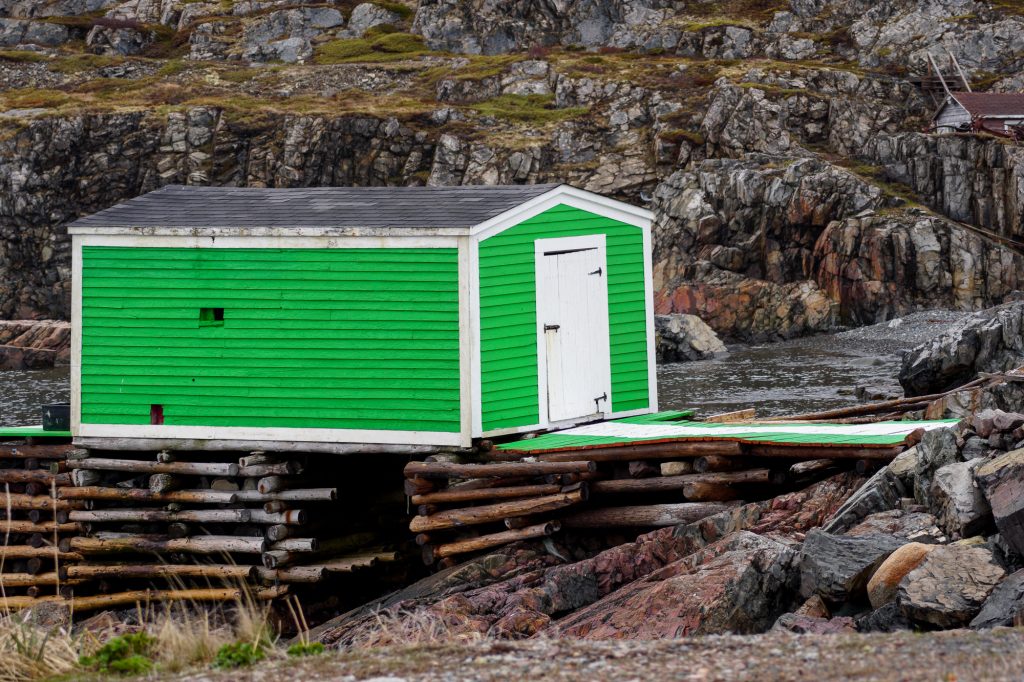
{"x": 328, "y": 207}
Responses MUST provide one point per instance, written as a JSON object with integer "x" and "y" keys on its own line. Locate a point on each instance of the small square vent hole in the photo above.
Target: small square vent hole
{"x": 211, "y": 317}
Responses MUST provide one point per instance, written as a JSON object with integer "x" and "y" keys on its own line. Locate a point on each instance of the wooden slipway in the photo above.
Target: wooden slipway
{"x": 672, "y": 427}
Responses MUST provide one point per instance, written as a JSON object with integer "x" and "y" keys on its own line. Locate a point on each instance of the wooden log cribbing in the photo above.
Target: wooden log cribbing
{"x": 647, "y": 516}
{"x": 40, "y": 502}
{"x": 496, "y": 470}
{"x": 36, "y": 451}
{"x": 16, "y": 526}
{"x": 198, "y": 544}
{"x": 825, "y": 452}
{"x": 39, "y": 579}
{"x": 146, "y": 495}
{"x": 117, "y": 599}
{"x": 812, "y": 466}
{"x": 469, "y": 516}
{"x": 29, "y": 552}
{"x": 145, "y": 467}
{"x": 287, "y": 468}
{"x": 478, "y": 494}
{"x": 296, "y": 495}
{"x": 162, "y": 516}
{"x": 493, "y": 540}
{"x": 145, "y": 571}
{"x": 292, "y": 574}
{"x": 34, "y": 476}
{"x": 666, "y": 483}
{"x": 719, "y": 463}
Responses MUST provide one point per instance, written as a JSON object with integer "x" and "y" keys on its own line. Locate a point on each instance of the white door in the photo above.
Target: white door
{"x": 572, "y": 318}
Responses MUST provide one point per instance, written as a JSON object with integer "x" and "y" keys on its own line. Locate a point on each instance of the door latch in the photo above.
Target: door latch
{"x": 598, "y": 399}
{"x": 552, "y": 327}
{"x": 595, "y": 272}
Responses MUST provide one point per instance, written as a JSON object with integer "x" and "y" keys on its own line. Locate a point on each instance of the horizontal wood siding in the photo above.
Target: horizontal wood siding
{"x": 311, "y": 338}
{"x": 508, "y": 318}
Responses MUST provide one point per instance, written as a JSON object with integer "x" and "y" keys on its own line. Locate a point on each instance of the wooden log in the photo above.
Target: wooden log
{"x": 423, "y": 539}
{"x": 710, "y": 492}
{"x": 199, "y": 544}
{"x": 286, "y": 468}
{"x": 92, "y": 571}
{"x": 45, "y": 515}
{"x": 347, "y": 564}
{"x": 278, "y": 558}
{"x": 27, "y": 579}
{"x": 477, "y": 494}
{"x": 292, "y": 517}
{"x": 59, "y": 466}
{"x": 163, "y": 483}
{"x": 812, "y": 466}
{"x": 238, "y": 445}
{"x": 119, "y": 599}
{"x": 29, "y": 552}
{"x": 495, "y": 470}
{"x": 427, "y": 509}
{"x": 34, "y": 476}
{"x": 735, "y": 416}
{"x": 275, "y": 506}
{"x": 143, "y": 467}
{"x": 16, "y": 526}
{"x": 85, "y": 477}
{"x": 496, "y": 539}
{"x": 417, "y": 485}
{"x": 625, "y": 453}
{"x": 643, "y": 469}
{"x": 257, "y": 457}
{"x": 676, "y": 468}
{"x": 142, "y": 494}
{"x": 667, "y": 483}
{"x": 36, "y": 451}
{"x": 649, "y": 516}
{"x": 296, "y": 545}
{"x": 820, "y": 452}
{"x": 494, "y": 512}
{"x": 272, "y": 484}
{"x": 293, "y": 574}
{"x": 297, "y": 495}
{"x": 718, "y": 463}
{"x": 161, "y": 516}
{"x": 166, "y": 457}
{"x": 280, "y": 532}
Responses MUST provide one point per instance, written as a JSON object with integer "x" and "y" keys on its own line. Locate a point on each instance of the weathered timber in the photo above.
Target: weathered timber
{"x": 735, "y": 416}
{"x": 347, "y": 564}
{"x": 165, "y": 483}
{"x": 118, "y": 599}
{"x": 812, "y": 466}
{"x": 44, "y": 515}
{"x": 34, "y": 476}
{"x": 144, "y": 467}
{"x": 28, "y": 579}
{"x": 29, "y": 552}
{"x": 16, "y": 526}
{"x": 496, "y": 539}
{"x": 719, "y": 463}
{"x": 871, "y": 408}
{"x": 293, "y": 574}
{"x": 137, "y": 494}
{"x": 710, "y": 492}
{"x": 453, "y": 518}
{"x": 625, "y": 453}
{"x": 199, "y": 544}
{"x": 297, "y": 495}
{"x": 648, "y": 516}
{"x": 495, "y": 470}
{"x": 287, "y": 468}
{"x": 824, "y": 452}
{"x": 275, "y": 506}
{"x": 302, "y": 447}
{"x": 257, "y": 458}
{"x": 459, "y": 494}
{"x": 666, "y": 483}
{"x": 295, "y": 545}
{"x": 145, "y": 571}
{"x": 84, "y": 477}
{"x": 35, "y": 451}
{"x": 161, "y": 516}
{"x": 272, "y": 484}
{"x": 292, "y": 517}
{"x": 279, "y": 558}
{"x": 280, "y": 532}
{"x": 417, "y": 485}
{"x": 676, "y": 468}
{"x": 40, "y": 502}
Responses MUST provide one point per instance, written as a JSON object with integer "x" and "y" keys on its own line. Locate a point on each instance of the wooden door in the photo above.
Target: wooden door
{"x": 572, "y": 300}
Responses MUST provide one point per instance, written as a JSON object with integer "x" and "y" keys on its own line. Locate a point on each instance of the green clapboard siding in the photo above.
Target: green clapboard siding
{"x": 311, "y": 338}
{"x": 508, "y": 318}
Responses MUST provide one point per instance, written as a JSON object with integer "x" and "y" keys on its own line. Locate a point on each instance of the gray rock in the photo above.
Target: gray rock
{"x": 1004, "y": 606}
{"x": 912, "y": 526}
{"x": 117, "y": 41}
{"x": 810, "y": 625}
{"x": 887, "y": 618}
{"x": 937, "y": 448}
{"x": 949, "y": 587}
{"x": 880, "y": 493}
{"x": 14, "y": 32}
{"x": 1002, "y": 480}
{"x": 682, "y": 338}
{"x": 975, "y": 447}
{"x": 959, "y": 503}
{"x": 367, "y": 15}
{"x": 286, "y": 35}
{"x": 837, "y": 567}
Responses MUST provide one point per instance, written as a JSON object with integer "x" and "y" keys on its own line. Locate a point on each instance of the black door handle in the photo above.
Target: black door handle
{"x": 552, "y": 327}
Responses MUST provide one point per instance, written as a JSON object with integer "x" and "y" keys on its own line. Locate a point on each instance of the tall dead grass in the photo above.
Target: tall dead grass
{"x": 413, "y": 628}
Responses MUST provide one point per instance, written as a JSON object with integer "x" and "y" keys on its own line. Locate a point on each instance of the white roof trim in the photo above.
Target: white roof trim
{"x": 258, "y": 231}
{"x": 570, "y": 196}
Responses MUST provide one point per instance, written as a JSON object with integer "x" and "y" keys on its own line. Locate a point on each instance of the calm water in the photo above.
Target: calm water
{"x": 779, "y": 378}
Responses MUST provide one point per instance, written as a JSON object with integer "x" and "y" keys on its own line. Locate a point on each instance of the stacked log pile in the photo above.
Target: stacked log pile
{"x": 34, "y": 521}
{"x": 464, "y": 507}
{"x": 110, "y": 529}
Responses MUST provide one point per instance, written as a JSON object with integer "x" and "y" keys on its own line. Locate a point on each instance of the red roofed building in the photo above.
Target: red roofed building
{"x": 991, "y": 112}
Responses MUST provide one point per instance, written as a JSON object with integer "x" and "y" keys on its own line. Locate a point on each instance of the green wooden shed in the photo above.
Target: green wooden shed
{"x": 316, "y": 317}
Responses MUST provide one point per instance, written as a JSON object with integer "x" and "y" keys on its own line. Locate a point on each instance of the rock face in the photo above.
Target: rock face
{"x": 883, "y": 584}
{"x": 1002, "y": 480}
{"x": 837, "y": 567}
{"x": 990, "y": 341}
{"x": 34, "y": 344}
{"x": 962, "y": 509}
{"x": 685, "y": 337}
{"x": 19, "y": 33}
{"x": 949, "y": 587}
{"x": 1004, "y": 606}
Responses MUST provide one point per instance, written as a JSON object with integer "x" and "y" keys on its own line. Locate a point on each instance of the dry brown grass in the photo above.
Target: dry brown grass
{"x": 418, "y": 628}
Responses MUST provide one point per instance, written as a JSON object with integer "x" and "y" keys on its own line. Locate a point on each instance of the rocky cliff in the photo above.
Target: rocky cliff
{"x": 777, "y": 142}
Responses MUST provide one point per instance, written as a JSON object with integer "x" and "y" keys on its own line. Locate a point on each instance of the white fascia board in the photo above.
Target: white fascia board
{"x": 257, "y": 231}
{"x": 557, "y": 426}
{"x": 569, "y": 196}
{"x": 382, "y": 437}
{"x": 280, "y": 242}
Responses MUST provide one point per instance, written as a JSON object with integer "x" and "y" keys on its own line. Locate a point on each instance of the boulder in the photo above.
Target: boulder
{"x": 888, "y": 618}
{"x": 949, "y": 587}
{"x": 881, "y": 492}
{"x": 912, "y": 526}
{"x": 958, "y": 501}
{"x": 16, "y": 32}
{"x": 367, "y": 15}
{"x": 685, "y": 337}
{"x": 989, "y": 341}
{"x": 1005, "y": 606}
{"x": 118, "y": 40}
{"x": 937, "y": 449}
{"x": 809, "y": 625}
{"x": 286, "y": 35}
{"x": 837, "y": 567}
{"x": 883, "y": 584}
{"x": 739, "y": 584}
{"x": 1002, "y": 480}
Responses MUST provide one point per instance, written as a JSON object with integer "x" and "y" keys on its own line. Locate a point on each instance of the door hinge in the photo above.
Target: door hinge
{"x": 595, "y": 272}
{"x": 552, "y": 327}
{"x": 598, "y": 399}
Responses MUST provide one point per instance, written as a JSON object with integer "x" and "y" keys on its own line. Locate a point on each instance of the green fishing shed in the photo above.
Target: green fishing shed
{"x": 321, "y": 318}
